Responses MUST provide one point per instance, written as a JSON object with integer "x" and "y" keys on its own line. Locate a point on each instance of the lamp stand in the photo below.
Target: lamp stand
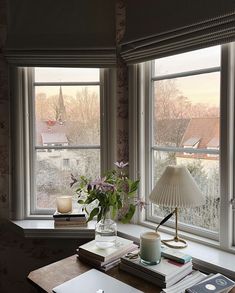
{"x": 176, "y": 239}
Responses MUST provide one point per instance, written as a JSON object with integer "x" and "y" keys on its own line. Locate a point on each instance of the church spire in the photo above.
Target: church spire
{"x": 62, "y": 111}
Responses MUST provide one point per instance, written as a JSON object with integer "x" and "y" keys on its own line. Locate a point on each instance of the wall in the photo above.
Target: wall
{"x": 19, "y": 256}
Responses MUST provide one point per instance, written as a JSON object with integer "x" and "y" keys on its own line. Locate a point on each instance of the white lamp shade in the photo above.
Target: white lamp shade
{"x": 177, "y": 188}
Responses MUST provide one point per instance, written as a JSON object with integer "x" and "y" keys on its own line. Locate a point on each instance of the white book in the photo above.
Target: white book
{"x": 94, "y": 281}
{"x": 185, "y": 283}
{"x": 154, "y": 280}
{"x": 94, "y": 261}
{"x": 103, "y": 255}
{"x": 166, "y": 270}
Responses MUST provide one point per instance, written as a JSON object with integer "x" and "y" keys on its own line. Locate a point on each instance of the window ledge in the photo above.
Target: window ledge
{"x": 46, "y": 229}
{"x": 205, "y": 258}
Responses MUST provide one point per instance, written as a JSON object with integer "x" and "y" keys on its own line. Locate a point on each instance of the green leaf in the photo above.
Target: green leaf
{"x": 133, "y": 187}
{"x": 93, "y": 213}
{"x": 128, "y": 216}
{"x": 99, "y": 216}
{"x": 80, "y": 201}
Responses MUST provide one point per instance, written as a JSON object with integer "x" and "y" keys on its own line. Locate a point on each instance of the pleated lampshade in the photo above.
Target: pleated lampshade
{"x": 177, "y": 188}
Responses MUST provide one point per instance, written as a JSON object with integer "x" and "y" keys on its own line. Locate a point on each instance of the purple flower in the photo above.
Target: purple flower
{"x": 100, "y": 184}
{"x": 121, "y": 164}
{"x": 140, "y": 203}
{"x": 74, "y": 180}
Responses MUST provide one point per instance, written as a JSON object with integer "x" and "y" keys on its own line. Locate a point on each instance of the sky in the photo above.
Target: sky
{"x": 204, "y": 88}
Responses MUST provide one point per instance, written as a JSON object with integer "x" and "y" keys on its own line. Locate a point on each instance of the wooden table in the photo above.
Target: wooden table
{"x": 59, "y": 272}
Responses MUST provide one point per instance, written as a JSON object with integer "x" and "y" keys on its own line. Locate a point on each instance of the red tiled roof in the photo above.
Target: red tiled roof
{"x": 204, "y": 129}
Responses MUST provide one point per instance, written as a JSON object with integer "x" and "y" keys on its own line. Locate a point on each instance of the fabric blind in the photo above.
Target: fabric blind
{"x": 61, "y": 32}
{"x": 159, "y": 28}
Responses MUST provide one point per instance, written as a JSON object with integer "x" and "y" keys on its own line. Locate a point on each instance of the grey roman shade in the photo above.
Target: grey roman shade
{"x": 61, "y": 32}
{"x": 157, "y": 28}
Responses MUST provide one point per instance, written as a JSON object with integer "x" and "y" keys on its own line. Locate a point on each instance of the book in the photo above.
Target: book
{"x": 190, "y": 280}
{"x": 166, "y": 270}
{"x": 153, "y": 279}
{"x": 216, "y": 283}
{"x": 104, "y": 267}
{"x": 99, "y": 263}
{"x": 62, "y": 224}
{"x": 175, "y": 255}
{"x": 94, "y": 281}
{"x": 120, "y": 248}
{"x": 69, "y": 217}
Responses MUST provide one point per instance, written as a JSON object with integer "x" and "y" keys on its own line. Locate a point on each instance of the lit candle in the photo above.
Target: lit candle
{"x": 150, "y": 248}
{"x": 64, "y": 204}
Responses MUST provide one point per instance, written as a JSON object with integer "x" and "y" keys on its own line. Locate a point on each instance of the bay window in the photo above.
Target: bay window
{"x": 186, "y": 118}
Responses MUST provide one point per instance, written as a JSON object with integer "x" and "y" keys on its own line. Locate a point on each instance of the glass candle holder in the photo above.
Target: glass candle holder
{"x": 64, "y": 204}
{"x": 150, "y": 248}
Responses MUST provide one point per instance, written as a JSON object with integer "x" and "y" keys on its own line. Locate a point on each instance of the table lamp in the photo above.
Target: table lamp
{"x": 176, "y": 188}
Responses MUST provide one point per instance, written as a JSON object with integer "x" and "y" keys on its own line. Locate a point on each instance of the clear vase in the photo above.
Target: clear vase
{"x": 105, "y": 233}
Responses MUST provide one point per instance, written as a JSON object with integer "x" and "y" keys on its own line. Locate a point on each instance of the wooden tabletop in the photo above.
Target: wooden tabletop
{"x": 59, "y": 272}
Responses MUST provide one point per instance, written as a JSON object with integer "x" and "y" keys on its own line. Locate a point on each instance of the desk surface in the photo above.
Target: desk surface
{"x": 59, "y": 272}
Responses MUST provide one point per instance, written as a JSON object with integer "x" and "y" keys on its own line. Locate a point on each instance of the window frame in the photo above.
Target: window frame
{"x": 33, "y": 147}
{"x": 145, "y": 104}
{"x": 21, "y": 79}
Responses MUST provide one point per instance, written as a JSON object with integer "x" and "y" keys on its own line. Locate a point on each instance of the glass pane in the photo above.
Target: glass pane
{"x": 67, "y": 115}
{"x": 43, "y": 74}
{"x": 206, "y": 173}
{"x": 53, "y": 169}
{"x": 194, "y": 60}
{"x": 186, "y": 111}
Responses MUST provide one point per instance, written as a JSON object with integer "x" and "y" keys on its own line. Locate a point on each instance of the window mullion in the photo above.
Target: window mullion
{"x": 226, "y": 165}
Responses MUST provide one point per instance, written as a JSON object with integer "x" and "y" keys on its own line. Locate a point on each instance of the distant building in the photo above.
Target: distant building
{"x": 201, "y": 133}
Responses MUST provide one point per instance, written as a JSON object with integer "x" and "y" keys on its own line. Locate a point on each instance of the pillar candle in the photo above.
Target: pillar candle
{"x": 150, "y": 248}
{"x": 64, "y": 204}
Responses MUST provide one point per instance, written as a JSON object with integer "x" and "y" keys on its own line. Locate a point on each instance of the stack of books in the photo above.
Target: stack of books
{"x": 72, "y": 220}
{"x": 164, "y": 274}
{"x": 105, "y": 259}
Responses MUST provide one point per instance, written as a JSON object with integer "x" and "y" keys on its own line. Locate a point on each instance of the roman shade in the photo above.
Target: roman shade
{"x": 164, "y": 27}
{"x": 61, "y": 32}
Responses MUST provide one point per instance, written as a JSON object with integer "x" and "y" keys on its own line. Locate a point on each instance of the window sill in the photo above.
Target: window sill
{"x": 205, "y": 258}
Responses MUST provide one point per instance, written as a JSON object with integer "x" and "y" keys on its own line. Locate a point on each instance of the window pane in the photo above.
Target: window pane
{"x": 67, "y": 115}
{"x": 43, "y": 74}
{"x": 53, "y": 169}
{"x": 206, "y": 173}
{"x": 186, "y": 111}
{"x": 198, "y": 59}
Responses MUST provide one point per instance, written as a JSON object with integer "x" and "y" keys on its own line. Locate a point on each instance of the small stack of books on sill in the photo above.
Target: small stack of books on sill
{"x": 105, "y": 259}
{"x": 164, "y": 274}
{"x": 71, "y": 220}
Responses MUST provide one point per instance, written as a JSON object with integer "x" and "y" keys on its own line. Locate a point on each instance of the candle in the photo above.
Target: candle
{"x": 64, "y": 204}
{"x": 150, "y": 248}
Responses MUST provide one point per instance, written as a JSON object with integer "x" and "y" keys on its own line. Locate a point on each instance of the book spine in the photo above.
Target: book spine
{"x": 57, "y": 216}
{"x": 69, "y": 224}
{"x": 142, "y": 275}
{"x": 70, "y": 220}
{"x": 141, "y": 269}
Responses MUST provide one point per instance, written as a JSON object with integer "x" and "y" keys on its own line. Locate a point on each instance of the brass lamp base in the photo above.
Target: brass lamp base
{"x": 175, "y": 242}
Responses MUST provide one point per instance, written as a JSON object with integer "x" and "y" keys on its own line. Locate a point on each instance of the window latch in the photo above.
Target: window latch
{"x": 232, "y": 202}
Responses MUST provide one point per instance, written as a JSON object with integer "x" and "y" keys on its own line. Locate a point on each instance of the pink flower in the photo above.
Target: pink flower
{"x": 100, "y": 184}
{"x": 121, "y": 164}
{"x": 140, "y": 203}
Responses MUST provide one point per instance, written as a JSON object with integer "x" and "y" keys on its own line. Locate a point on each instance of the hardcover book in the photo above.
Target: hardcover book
{"x": 217, "y": 284}
{"x": 166, "y": 270}
{"x": 96, "y": 262}
{"x": 120, "y": 248}
{"x": 154, "y": 279}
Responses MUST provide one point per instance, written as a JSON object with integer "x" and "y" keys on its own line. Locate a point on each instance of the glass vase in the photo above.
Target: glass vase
{"x": 105, "y": 233}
